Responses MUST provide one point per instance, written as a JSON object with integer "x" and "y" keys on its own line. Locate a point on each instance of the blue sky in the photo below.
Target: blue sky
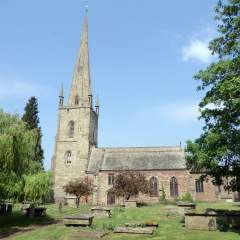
{"x": 143, "y": 56}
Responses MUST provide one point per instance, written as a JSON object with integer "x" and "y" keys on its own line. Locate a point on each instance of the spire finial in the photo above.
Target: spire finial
{"x": 86, "y": 8}
{"x": 61, "y": 91}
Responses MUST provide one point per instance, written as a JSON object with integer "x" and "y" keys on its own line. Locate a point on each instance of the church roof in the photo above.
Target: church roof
{"x": 146, "y": 158}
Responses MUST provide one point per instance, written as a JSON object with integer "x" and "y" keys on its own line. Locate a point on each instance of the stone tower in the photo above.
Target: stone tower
{"x": 77, "y": 124}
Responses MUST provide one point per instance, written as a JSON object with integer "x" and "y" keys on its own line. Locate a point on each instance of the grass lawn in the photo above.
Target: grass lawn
{"x": 170, "y": 226}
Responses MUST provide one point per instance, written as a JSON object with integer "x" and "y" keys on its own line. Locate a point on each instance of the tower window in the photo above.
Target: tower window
{"x": 71, "y": 129}
{"x": 76, "y": 100}
{"x": 199, "y": 185}
{"x": 110, "y": 178}
{"x": 173, "y": 187}
{"x": 68, "y": 158}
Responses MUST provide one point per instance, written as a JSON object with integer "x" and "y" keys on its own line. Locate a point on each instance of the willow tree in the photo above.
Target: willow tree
{"x": 17, "y": 145}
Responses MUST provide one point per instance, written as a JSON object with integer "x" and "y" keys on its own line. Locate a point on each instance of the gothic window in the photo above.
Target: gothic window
{"x": 68, "y": 158}
{"x": 199, "y": 185}
{"x": 154, "y": 187}
{"x": 173, "y": 187}
{"x": 71, "y": 129}
{"x": 76, "y": 100}
{"x": 110, "y": 178}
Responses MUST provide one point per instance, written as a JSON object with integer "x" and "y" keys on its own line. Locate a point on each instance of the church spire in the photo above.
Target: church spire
{"x": 81, "y": 82}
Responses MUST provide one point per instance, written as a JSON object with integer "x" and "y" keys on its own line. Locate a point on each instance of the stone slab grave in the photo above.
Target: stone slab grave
{"x": 86, "y": 234}
{"x": 101, "y": 212}
{"x": 185, "y": 207}
{"x": 143, "y": 224}
{"x": 135, "y": 230}
{"x": 78, "y": 220}
{"x": 130, "y": 203}
{"x": 212, "y": 220}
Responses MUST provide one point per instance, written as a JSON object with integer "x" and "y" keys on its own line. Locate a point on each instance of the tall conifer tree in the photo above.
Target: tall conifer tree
{"x": 31, "y": 119}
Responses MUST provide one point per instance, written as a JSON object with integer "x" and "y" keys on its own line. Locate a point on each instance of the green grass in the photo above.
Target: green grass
{"x": 170, "y": 226}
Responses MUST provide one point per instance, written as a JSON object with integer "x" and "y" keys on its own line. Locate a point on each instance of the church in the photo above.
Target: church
{"x": 77, "y": 155}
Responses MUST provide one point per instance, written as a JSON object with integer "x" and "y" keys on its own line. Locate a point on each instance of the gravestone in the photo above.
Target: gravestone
{"x": 135, "y": 230}
{"x": 78, "y": 220}
{"x": 101, "y": 212}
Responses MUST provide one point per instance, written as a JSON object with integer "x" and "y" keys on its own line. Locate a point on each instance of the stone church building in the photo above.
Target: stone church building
{"x": 77, "y": 155}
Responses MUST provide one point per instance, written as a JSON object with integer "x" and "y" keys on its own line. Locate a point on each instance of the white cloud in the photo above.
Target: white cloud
{"x": 198, "y": 50}
{"x": 182, "y": 112}
{"x": 175, "y": 112}
{"x": 16, "y": 88}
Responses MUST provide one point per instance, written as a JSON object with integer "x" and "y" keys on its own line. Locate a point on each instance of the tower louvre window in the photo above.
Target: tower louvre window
{"x": 76, "y": 100}
{"x": 199, "y": 185}
{"x": 71, "y": 127}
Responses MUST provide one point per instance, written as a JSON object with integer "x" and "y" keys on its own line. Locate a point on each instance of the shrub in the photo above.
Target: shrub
{"x": 163, "y": 196}
{"x": 108, "y": 226}
{"x": 222, "y": 225}
{"x": 187, "y": 197}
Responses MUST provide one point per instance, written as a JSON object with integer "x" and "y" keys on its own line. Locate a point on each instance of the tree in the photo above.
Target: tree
{"x": 129, "y": 183}
{"x": 17, "y": 145}
{"x": 32, "y": 120}
{"x": 37, "y": 187}
{"x": 217, "y": 150}
{"x": 79, "y": 188}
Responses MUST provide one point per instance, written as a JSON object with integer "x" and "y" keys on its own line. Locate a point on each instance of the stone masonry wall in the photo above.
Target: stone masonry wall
{"x": 79, "y": 145}
{"x": 186, "y": 183}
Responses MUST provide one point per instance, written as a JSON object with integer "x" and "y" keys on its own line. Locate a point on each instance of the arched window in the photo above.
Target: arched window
{"x": 173, "y": 187}
{"x": 199, "y": 185}
{"x": 68, "y": 157}
{"x": 76, "y": 100}
{"x": 154, "y": 187}
{"x": 110, "y": 198}
{"x": 71, "y": 129}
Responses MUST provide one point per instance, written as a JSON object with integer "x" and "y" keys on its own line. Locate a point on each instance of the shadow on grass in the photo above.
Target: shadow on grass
{"x": 19, "y": 223}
